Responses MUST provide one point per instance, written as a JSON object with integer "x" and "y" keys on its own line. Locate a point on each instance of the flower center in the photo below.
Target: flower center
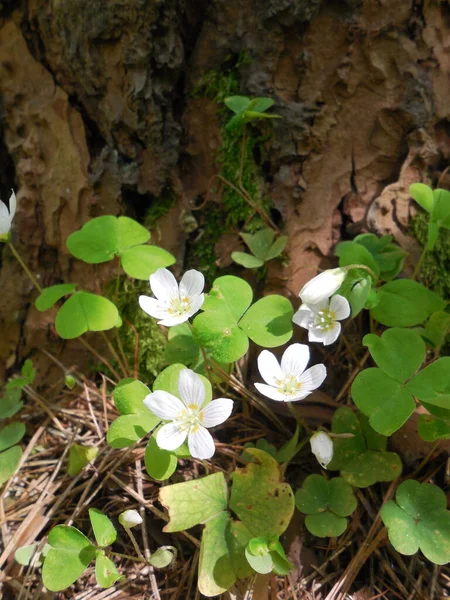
{"x": 324, "y": 319}
{"x": 179, "y": 306}
{"x": 288, "y": 385}
{"x": 190, "y": 419}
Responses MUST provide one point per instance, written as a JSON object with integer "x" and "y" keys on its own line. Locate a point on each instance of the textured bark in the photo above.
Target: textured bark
{"x": 99, "y": 116}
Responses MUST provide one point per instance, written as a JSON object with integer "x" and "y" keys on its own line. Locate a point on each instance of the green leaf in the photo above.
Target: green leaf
{"x": 436, "y": 329}
{"x": 371, "y": 467}
{"x": 260, "y": 242}
{"x": 288, "y": 450}
{"x": 9, "y": 460}
{"x": 229, "y": 295}
{"x": 167, "y": 380}
{"x": 106, "y": 572}
{"x": 162, "y": 557}
{"x": 389, "y": 257}
{"x": 69, "y": 555}
{"x": 141, "y": 261}
{"x": 220, "y": 335}
{"x": 237, "y": 104}
{"x": 259, "y": 497}
{"x": 50, "y": 295}
{"x": 418, "y": 519}
{"x": 215, "y": 571}
{"x": 126, "y": 430}
{"x": 432, "y": 384}
{"x": 104, "y": 531}
{"x": 387, "y": 404}
{"x": 11, "y": 434}
{"x": 238, "y": 536}
{"x": 181, "y": 346}
{"x": 11, "y": 403}
{"x": 260, "y": 104}
{"x": 358, "y": 295}
{"x": 441, "y": 210}
{"x": 79, "y": 457}
{"x": 193, "y": 502}
{"x": 27, "y": 554}
{"x": 129, "y": 397}
{"x": 352, "y": 253}
{"x": 160, "y": 464}
{"x": 28, "y": 371}
{"x": 423, "y": 195}
{"x": 86, "y": 312}
{"x": 268, "y": 322}
{"x": 404, "y": 303}
{"x": 431, "y": 428}
{"x": 277, "y": 248}
{"x": 261, "y": 563}
{"x": 101, "y": 238}
{"x": 398, "y": 352}
{"x": 247, "y": 260}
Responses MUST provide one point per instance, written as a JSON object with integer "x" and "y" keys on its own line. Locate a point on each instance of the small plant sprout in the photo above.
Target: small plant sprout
{"x": 7, "y": 216}
{"x": 322, "y": 448}
{"x": 130, "y": 518}
{"x": 322, "y": 319}
{"x": 289, "y": 381}
{"x": 190, "y": 418}
{"x": 174, "y": 304}
{"x": 322, "y": 286}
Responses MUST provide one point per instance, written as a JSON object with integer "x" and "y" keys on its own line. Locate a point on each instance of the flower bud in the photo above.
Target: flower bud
{"x": 322, "y": 286}
{"x": 130, "y": 518}
{"x": 322, "y": 448}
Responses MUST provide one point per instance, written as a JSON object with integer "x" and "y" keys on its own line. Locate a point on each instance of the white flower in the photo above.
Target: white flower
{"x": 322, "y": 448}
{"x": 130, "y": 518}
{"x": 322, "y": 319}
{"x": 322, "y": 286}
{"x": 174, "y": 304}
{"x": 189, "y": 417}
{"x": 289, "y": 381}
{"x": 7, "y": 216}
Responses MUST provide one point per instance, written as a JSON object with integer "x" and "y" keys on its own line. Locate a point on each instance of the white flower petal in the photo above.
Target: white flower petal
{"x": 295, "y": 359}
{"x": 331, "y": 335}
{"x": 172, "y": 320}
{"x": 192, "y": 284}
{"x": 340, "y": 307}
{"x": 313, "y": 378}
{"x": 196, "y": 304}
{"x": 322, "y": 448}
{"x": 269, "y": 367}
{"x": 130, "y": 518}
{"x": 322, "y": 286}
{"x": 216, "y": 412}
{"x": 164, "y": 285}
{"x": 191, "y": 388}
{"x": 272, "y": 392}
{"x": 303, "y": 316}
{"x": 201, "y": 444}
{"x": 152, "y": 307}
{"x": 12, "y": 205}
{"x": 5, "y": 225}
{"x": 4, "y": 212}
{"x": 164, "y": 405}
{"x": 317, "y": 335}
{"x": 170, "y": 437}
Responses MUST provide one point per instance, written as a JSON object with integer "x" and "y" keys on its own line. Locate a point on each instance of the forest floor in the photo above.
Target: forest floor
{"x": 361, "y": 564}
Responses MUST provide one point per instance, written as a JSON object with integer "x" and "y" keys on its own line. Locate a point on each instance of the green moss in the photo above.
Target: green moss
{"x": 159, "y": 208}
{"x": 435, "y": 272}
{"x": 152, "y": 340}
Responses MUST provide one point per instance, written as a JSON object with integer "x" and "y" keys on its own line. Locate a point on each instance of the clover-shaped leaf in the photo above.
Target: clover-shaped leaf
{"x": 135, "y": 420}
{"x": 247, "y": 110}
{"x": 10, "y": 403}
{"x": 79, "y": 457}
{"x": 84, "y": 312}
{"x": 106, "y": 572}
{"x": 160, "y": 464}
{"x": 436, "y": 329}
{"x": 227, "y": 321}
{"x": 437, "y": 204}
{"x": 431, "y": 428}
{"x": 104, "y": 531}
{"x": 10, "y": 454}
{"x": 389, "y": 257}
{"x": 361, "y": 459}
{"x": 50, "y": 295}
{"x": 418, "y": 519}
{"x": 432, "y": 384}
{"x": 326, "y": 504}
{"x": 102, "y": 238}
{"x": 262, "y": 246}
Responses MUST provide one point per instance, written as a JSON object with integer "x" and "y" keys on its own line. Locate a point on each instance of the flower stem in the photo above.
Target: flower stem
{"x": 365, "y": 267}
{"x": 419, "y": 264}
{"x": 135, "y": 544}
{"x": 25, "y": 268}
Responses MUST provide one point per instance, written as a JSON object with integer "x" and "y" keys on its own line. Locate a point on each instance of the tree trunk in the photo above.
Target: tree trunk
{"x": 106, "y": 109}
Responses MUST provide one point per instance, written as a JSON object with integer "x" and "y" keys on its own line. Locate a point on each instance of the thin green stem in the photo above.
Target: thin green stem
{"x": 126, "y": 556}
{"x": 114, "y": 354}
{"x": 419, "y": 264}
{"x": 25, "y": 268}
{"x": 100, "y": 358}
{"x": 205, "y": 357}
{"x": 135, "y": 544}
{"x": 365, "y": 267}
{"x": 241, "y": 165}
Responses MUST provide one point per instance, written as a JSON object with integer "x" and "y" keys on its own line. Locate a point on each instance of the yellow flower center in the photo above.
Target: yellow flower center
{"x": 288, "y": 385}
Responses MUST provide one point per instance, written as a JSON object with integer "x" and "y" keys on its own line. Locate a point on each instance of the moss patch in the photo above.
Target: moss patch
{"x": 159, "y": 208}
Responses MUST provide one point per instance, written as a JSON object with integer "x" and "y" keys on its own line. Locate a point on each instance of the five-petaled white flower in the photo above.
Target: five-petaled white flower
{"x": 189, "y": 417}
{"x": 174, "y": 304}
{"x": 322, "y": 319}
{"x": 322, "y": 448}
{"x": 130, "y": 518}
{"x": 289, "y": 381}
{"x": 322, "y": 286}
{"x": 7, "y": 216}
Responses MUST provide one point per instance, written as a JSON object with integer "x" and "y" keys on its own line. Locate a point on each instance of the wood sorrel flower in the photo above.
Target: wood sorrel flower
{"x": 322, "y": 286}
{"x": 7, "y": 216}
{"x": 174, "y": 304}
{"x": 289, "y": 381}
{"x": 322, "y": 319}
{"x": 322, "y": 448}
{"x": 130, "y": 518}
{"x": 189, "y": 417}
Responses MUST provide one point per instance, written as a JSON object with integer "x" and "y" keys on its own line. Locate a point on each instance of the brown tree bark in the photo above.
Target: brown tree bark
{"x": 98, "y": 116}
